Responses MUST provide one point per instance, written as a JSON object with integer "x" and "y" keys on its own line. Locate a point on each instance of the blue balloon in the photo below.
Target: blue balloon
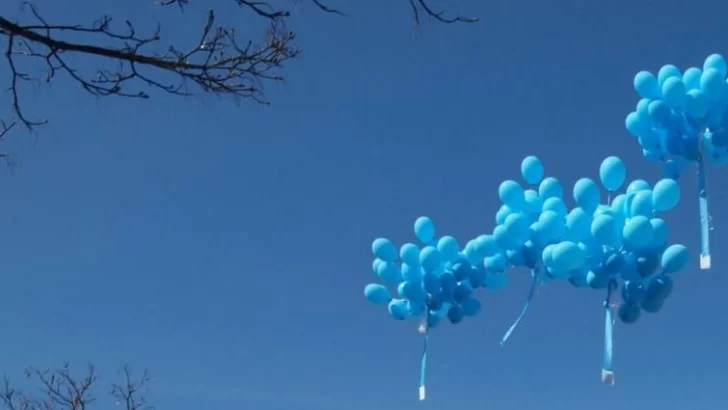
{"x": 496, "y": 280}
{"x": 673, "y": 168}
{"x": 597, "y": 279}
{"x": 637, "y": 185}
{"x": 533, "y": 203}
{"x": 567, "y": 256}
{"x": 503, "y": 238}
{"x": 448, "y": 284}
{"x": 659, "y": 287}
{"x": 553, "y": 224}
{"x": 665, "y": 195}
{"x": 377, "y": 294}
{"x": 511, "y": 193}
{"x": 605, "y": 230}
{"x": 641, "y": 204}
{"x": 578, "y": 224}
{"x": 495, "y": 263}
{"x": 612, "y": 173}
{"x": 550, "y": 187}
{"x": 660, "y": 113}
{"x": 384, "y": 249}
{"x": 433, "y": 319}
{"x": 455, "y": 314}
{"x": 659, "y": 239}
{"x": 410, "y": 254}
{"x": 652, "y": 305}
{"x": 636, "y": 125}
{"x": 463, "y": 291}
{"x": 646, "y": 85}
{"x": 471, "y": 307}
{"x": 629, "y": 313}
{"x": 578, "y": 279}
{"x": 515, "y": 257}
{"x": 586, "y": 194}
{"x": 555, "y": 204}
{"x": 618, "y": 204}
{"x": 532, "y": 170}
{"x": 487, "y": 245}
{"x": 674, "y": 92}
{"x": 647, "y": 264}
{"x": 389, "y": 272}
{"x": 448, "y": 248}
{"x": 613, "y": 263}
{"x": 432, "y": 283}
{"x": 412, "y": 291}
{"x": 547, "y": 255}
{"x": 411, "y": 273}
{"x": 674, "y": 258}
{"x": 517, "y": 227}
{"x": 712, "y": 83}
{"x": 502, "y": 214}
{"x": 462, "y": 271}
{"x": 478, "y": 277}
{"x": 691, "y": 78}
{"x": 375, "y": 265}
{"x": 696, "y": 104}
{"x": 666, "y": 72}
{"x": 430, "y": 258}
{"x": 425, "y": 229}
{"x": 715, "y": 62}
{"x": 638, "y": 233}
{"x": 398, "y": 309}
{"x": 633, "y": 292}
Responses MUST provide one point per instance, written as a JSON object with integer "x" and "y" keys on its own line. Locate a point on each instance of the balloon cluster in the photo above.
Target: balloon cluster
{"x": 682, "y": 118}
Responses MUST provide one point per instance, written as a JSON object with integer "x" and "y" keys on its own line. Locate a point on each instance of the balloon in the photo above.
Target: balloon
{"x": 674, "y": 92}
{"x": 462, "y": 292}
{"x": 425, "y": 229}
{"x": 455, "y": 314}
{"x": 432, "y": 283}
{"x": 511, "y": 193}
{"x": 411, "y": 273}
{"x": 696, "y": 103}
{"x": 448, "y": 248}
{"x": 550, "y": 187}
{"x": 660, "y": 230}
{"x": 647, "y": 264}
{"x": 517, "y": 227}
{"x": 377, "y": 294}
{"x": 674, "y": 258}
{"x": 432, "y": 319}
{"x": 430, "y": 258}
{"x": 674, "y": 167}
{"x": 637, "y": 185}
{"x": 659, "y": 287}
{"x": 578, "y": 224}
{"x": 691, "y": 78}
{"x": 666, "y": 72}
{"x": 660, "y": 113}
{"x": 410, "y": 254}
{"x": 487, "y": 245}
{"x": 636, "y": 125}
{"x": 389, "y": 272}
{"x": 597, "y": 279}
{"x": 471, "y": 307}
{"x": 567, "y": 256}
{"x": 502, "y": 214}
{"x": 462, "y": 271}
{"x": 712, "y": 83}
{"x": 503, "y": 238}
{"x": 605, "y": 230}
{"x": 553, "y": 224}
{"x": 629, "y": 313}
{"x": 384, "y": 249}
{"x": 715, "y": 62}
{"x": 638, "y": 232}
{"x": 532, "y": 170}
{"x": 496, "y": 263}
{"x": 533, "y": 202}
{"x": 412, "y": 291}
{"x": 665, "y": 195}
{"x": 555, "y": 204}
{"x": 633, "y": 292}
{"x": 641, "y": 204}
{"x": 586, "y": 194}
{"x": 612, "y": 173}
{"x": 375, "y": 264}
{"x": 645, "y": 83}
{"x": 398, "y": 309}
{"x": 652, "y": 305}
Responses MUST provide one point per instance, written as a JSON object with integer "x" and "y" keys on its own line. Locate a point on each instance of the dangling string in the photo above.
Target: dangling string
{"x": 424, "y": 328}
{"x": 607, "y": 372}
{"x": 704, "y": 218}
{"x": 535, "y": 281}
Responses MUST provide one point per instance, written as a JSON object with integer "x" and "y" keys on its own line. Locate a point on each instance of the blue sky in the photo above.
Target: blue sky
{"x": 226, "y": 247}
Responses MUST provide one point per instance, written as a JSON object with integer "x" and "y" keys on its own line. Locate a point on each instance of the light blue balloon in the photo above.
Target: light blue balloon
{"x": 425, "y": 230}
{"x": 715, "y": 62}
{"x": 636, "y": 125}
{"x": 375, "y": 265}
{"x": 586, "y": 194}
{"x": 448, "y": 248}
{"x": 411, "y": 273}
{"x": 696, "y": 104}
{"x": 641, "y": 204}
{"x": 673, "y": 168}
{"x": 661, "y": 231}
{"x": 675, "y": 258}
{"x": 659, "y": 287}
{"x": 377, "y": 294}
{"x": 633, "y": 292}
{"x": 549, "y": 188}
{"x": 578, "y": 224}
{"x": 384, "y": 249}
{"x": 398, "y": 309}
{"x": 597, "y": 279}
{"x": 503, "y": 238}
{"x": 629, "y": 313}
{"x": 618, "y": 204}
{"x": 605, "y": 230}
{"x": 517, "y": 227}
{"x": 637, "y": 185}
{"x": 666, "y": 72}
{"x": 412, "y": 291}
{"x": 712, "y": 83}
{"x": 502, "y": 214}
{"x": 691, "y": 78}
{"x": 533, "y": 202}
{"x": 532, "y": 170}
{"x": 567, "y": 256}
{"x": 511, "y": 193}
{"x": 665, "y": 195}
{"x": 410, "y": 254}
{"x": 555, "y": 204}
{"x": 495, "y": 263}
{"x": 487, "y": 245}
{"x": 389, "y": 272}
{"x": 612, "y": 173}
{"x": 547, "y": 255}
{"x": 430, "y": 258}
{"x": 638, "y": 233}
{"x": 646, "y": 85}
{"x": 553, "y": 224}
{"x": 674, "y": 92}
{"x": 660, "y": 113}
{"x": 650, "y": 141}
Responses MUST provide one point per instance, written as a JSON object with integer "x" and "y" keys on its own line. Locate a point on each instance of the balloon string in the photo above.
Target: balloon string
{"x": 531, "y": 293}
{"x": 607, "y": 372}
{"x": 704, "y": 217}
{"x": 423, "y": 363}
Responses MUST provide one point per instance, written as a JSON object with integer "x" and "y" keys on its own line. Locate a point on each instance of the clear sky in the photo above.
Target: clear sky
{"x": 226, "y": 247}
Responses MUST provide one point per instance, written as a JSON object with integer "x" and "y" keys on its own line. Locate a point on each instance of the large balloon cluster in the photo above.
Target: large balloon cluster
{"x": 682, "y": 119}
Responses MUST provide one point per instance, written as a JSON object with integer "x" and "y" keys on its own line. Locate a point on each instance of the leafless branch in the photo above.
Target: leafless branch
{"x": 62, "y": 390}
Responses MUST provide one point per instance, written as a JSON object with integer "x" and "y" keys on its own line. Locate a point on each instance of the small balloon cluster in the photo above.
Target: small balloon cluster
{"x": 619, "y": 244}
{"x": 682, "y": 119}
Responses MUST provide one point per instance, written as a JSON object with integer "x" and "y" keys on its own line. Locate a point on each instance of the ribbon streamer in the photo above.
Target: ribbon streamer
{"x": 424, "y": 328}
{"x": 607, "y": 372}
{"x": 531, "y": 293}
{"x": 704, "y": 217}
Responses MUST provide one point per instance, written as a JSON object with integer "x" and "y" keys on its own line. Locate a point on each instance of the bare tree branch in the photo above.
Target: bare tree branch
{"x": 126, "y": 63}
{"x": 61, "y": 390}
